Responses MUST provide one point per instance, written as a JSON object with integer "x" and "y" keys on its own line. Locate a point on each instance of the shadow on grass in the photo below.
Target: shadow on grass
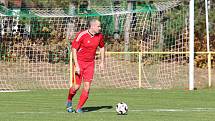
{"x": 89, "y": 109}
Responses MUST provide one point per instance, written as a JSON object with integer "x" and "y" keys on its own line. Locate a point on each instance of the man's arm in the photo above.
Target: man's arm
{"x": 77, "y": 68}
{"x": 102, "y": 52}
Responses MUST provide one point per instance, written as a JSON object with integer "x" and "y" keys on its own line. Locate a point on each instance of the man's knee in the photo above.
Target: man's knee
{"x": 87, "y": 86}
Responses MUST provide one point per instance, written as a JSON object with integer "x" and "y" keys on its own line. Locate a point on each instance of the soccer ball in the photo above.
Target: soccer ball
{"x": 121, "y": 108}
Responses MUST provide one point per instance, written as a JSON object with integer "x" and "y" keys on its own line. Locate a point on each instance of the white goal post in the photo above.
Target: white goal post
{"x": 191, "y": 54}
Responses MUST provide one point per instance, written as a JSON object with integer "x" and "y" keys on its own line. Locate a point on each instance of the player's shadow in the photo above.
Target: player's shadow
{"x": 89, "y": 109}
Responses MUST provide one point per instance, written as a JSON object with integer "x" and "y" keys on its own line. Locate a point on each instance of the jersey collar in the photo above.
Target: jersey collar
{"x": 92, "y": 35}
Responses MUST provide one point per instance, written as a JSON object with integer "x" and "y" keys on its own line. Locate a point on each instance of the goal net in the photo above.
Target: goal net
{"x": 146, "y": 44}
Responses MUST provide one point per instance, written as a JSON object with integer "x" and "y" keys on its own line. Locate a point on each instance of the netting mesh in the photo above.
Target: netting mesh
{"x": 202, "y": 67}
{"x": 35, "y": 49}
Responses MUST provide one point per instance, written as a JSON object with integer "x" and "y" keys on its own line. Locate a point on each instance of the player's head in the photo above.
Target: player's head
{"x": 94, "y": 26}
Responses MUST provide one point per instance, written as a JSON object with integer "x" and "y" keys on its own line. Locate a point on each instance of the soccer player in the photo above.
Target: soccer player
{"x": 84, "y": 50}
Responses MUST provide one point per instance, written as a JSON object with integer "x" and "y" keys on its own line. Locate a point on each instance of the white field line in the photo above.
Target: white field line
{"x": 3, "y": 91}
{"x": 139, "y": 110}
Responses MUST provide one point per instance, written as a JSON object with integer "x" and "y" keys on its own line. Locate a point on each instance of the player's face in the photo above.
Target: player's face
{"x": 97, "y": 27}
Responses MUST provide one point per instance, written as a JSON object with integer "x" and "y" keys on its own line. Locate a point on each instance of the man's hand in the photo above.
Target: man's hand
{"x": 102, "y": 52}
{"x": 77, "y": 69}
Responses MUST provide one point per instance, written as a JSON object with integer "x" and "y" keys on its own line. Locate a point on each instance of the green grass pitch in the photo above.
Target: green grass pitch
{"x": 144, "y": 105}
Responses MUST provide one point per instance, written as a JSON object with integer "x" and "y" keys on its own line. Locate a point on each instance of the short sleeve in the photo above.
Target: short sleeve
{"x": 76, "y": 42}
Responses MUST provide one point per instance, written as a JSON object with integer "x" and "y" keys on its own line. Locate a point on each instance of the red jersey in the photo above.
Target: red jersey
{"x": 86, "y": 45}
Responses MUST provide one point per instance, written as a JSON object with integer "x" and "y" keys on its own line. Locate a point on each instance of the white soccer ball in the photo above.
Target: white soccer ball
{"x": 122, "y": 108}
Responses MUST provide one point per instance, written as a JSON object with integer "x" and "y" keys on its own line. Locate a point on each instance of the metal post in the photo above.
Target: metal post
{"x": 191, "y": 46}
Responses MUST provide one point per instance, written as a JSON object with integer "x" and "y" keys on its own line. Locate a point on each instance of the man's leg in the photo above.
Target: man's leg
{"x": 72, "y": 92}
{"x": 83, "y": 97}
{"x": 88, "y": 77}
